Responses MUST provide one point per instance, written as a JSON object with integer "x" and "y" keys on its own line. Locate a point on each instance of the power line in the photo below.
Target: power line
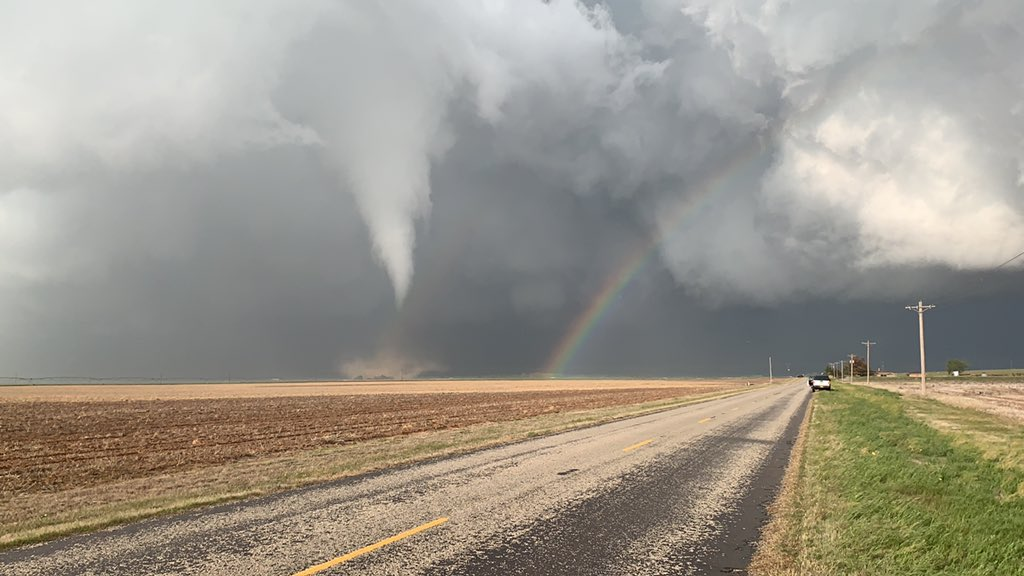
{"x": 1008, "y": 261}
{"x": 979, "y": 285}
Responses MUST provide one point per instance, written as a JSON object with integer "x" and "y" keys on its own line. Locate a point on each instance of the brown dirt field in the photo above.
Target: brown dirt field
{"x": 101, "y": 392}
{"x": 48, "y": 446}
{"x": 1005, "y": 399}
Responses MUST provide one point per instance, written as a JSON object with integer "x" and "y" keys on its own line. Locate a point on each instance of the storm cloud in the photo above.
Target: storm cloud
{"x": 298, "y": 189}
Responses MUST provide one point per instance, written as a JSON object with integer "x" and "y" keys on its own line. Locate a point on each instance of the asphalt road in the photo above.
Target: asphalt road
{"x": 678, "y": 492}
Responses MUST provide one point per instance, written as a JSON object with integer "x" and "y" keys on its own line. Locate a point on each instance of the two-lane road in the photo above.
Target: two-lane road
{"x": 676, "y": 492}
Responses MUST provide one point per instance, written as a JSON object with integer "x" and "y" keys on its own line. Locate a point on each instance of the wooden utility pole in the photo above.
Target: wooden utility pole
{"x": 921, "y": 308}
{"x": 868, "y": 344}
{"x": 852, "y": 356}
{"x": 770, "y": 378}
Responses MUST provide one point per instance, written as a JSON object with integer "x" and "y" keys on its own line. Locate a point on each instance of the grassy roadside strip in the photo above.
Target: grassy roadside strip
{"x": 999, "y": 439}
{"x": 882, "y": 488}
{"x": 29, "y": 518}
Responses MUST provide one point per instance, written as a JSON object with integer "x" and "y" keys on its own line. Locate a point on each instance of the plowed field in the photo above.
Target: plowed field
{"x": 56, "y": 445}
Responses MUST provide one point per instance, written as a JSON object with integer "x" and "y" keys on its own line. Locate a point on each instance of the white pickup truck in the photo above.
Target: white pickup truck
{"x": 820, "y": 382}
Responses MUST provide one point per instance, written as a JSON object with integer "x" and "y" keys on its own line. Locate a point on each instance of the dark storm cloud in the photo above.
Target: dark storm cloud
{"x": 293, "y": 189}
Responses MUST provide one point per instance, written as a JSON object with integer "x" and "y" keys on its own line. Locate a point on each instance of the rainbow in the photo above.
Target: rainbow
{"x": 617, "y": 282}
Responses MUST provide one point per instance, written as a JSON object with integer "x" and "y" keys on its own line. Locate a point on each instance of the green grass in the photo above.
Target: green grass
{"x": 998, "y": 439}
{"x": 883, "y": 491}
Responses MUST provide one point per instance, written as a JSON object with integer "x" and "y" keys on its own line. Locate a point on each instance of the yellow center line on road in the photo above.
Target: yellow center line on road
{"x": 366, "y": 549}
{"x": 703, "y": 420}
{"x": 637, "y": 445}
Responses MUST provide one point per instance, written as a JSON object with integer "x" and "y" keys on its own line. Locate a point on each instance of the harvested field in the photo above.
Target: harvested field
{"x": 48, "y": 446}
{"x": 1002, "y": 398}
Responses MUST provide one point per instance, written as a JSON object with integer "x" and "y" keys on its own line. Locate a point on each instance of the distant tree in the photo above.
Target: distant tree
{"x": 860, "y": 367}
{"x": 956, "y": 365}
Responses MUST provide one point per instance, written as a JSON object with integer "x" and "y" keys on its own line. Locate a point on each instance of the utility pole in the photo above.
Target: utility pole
{"x": 842, "y": 370}
{"x": 868, "y": 344}
{"x": 852, "y": 356}
{"x": 921, "y": 309}
{"x": 769, "y": 369}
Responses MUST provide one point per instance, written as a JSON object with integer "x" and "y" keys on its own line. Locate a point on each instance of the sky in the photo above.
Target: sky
{"x": 321, "y": 189}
